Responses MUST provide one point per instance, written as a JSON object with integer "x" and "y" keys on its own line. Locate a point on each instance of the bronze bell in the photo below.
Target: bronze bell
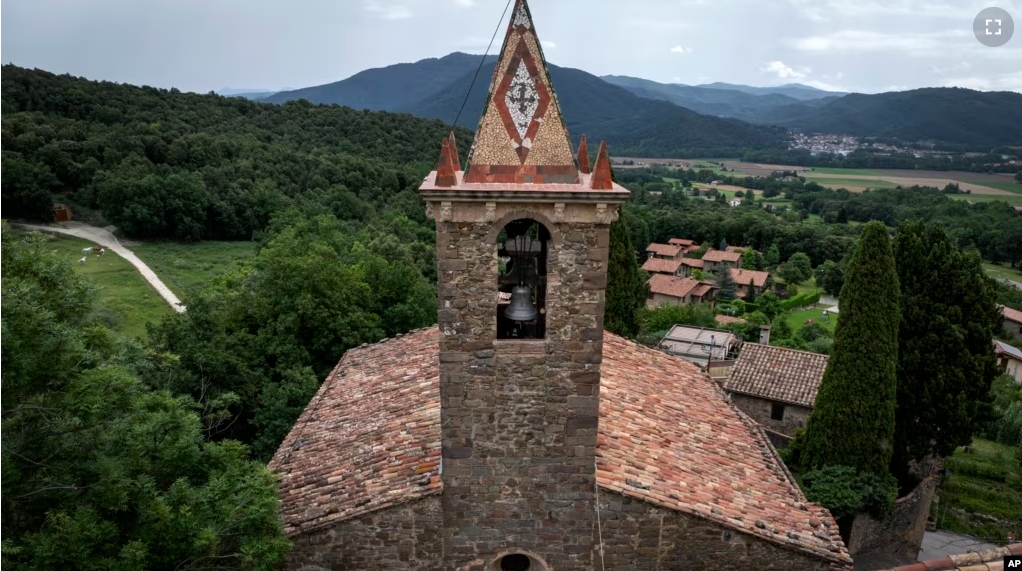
{"x": 521, "y": 308}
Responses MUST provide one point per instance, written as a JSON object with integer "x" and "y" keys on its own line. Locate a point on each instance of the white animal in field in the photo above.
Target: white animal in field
{"x": 87, "y": 250}
{"x": 99, "y": 252}
{"x": 82, "y": 261}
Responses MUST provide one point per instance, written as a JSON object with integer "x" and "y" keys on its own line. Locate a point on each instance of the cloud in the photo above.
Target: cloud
{"x": 1011, "y": 81}
{"x": 860, "y": 40}
{"x": 391, "y": 12}
{"x": 780, "y": 70}
{"x": 681, "y": 50}
{"x": 827, "y": 10}
{"x": 951, "y": 68}
{"x": 549, "y": 45}
{"x": 465, "y": 3}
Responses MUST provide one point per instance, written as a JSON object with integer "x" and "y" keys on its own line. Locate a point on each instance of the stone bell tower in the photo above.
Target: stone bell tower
{"x": 520, "y": 387}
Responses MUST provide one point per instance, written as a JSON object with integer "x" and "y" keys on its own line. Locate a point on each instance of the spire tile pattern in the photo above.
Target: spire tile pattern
{"x": 521, "y": 138}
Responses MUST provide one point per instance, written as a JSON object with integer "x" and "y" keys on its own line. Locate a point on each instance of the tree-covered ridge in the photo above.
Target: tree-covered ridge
{"x": 161, "y": 163}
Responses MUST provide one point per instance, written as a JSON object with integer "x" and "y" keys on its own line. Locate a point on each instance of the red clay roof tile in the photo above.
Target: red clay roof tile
{"x": 370, "y": 439}
{"x": 778, "y": 374}
{"x": 662, "y": 266}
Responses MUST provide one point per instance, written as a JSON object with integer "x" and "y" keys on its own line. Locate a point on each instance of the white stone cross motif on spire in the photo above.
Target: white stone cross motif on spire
{"x": 522, "y": 99}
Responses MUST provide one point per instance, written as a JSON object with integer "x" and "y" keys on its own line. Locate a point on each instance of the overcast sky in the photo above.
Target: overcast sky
{"x": 200, "y": 45}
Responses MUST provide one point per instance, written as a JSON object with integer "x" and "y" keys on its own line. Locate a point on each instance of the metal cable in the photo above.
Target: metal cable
{"x": 481, "y": 62}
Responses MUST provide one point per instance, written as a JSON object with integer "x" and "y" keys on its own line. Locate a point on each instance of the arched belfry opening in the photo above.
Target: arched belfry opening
{"x": 522, "y": 248}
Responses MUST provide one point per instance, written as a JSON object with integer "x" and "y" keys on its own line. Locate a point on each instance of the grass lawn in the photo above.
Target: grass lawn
{"x": 124, "y": 300}
{"x": 999, "y": 271}
{"x": 836, "y": 182}
{"x": 1014, "y": 200}
{"x": 839, "y": 171}
{"x": 186, "y": 268}
{"x": 986, "y": 481}
{"x": 797, "y": 319}
{"x": 1009, "y": 186}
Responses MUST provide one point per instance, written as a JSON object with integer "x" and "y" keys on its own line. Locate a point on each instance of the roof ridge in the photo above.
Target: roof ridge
{"x": 824, "y": 355}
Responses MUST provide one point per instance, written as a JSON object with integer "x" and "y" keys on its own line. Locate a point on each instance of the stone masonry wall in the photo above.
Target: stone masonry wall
{"x": 519, "y": 417}
{"x": 402, "y": 538}
{"x": 901, "y": 532}
{"x": 795, "y": 416}
{"x": 638, "y": 536}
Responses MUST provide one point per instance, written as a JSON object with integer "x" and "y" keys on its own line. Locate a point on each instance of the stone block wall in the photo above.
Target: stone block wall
{"x": 402, "y": 538}
{"x": 638, "y": 536}
{"x": 795, "y": 416}
{"x": 519, "y": 417}
{"x": 900, "y": 533}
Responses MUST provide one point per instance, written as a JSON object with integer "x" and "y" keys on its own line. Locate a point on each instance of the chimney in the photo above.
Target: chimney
{"x": 764, "y": 334}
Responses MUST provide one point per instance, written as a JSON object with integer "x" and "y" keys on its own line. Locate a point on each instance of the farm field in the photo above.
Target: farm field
{"x": 125, "y": 302}
{"x": 853, "y": 184}
{"x": 837, "y": 171}
{"x": 187, "y": 268}
{"x": 1012, "y": 187}
{"x": 1012, "y": 199}
{"x": 985, "y": 480}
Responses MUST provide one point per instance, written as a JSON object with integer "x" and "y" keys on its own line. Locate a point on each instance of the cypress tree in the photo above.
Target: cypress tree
{"x": 852, "y": 422}
{"x": 728, "y": 289}
{"x": 626, "y": 284}
{"x": 773, "y": 256}
{"x": 946, "y": 362}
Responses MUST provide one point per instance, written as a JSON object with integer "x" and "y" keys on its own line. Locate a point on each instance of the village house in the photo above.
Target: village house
{"x": 714, "y": 260}
{"x": 689, "y": 265}
{"x": 687, "y": 246}
{"x": 670, "y": 267}
{"x": 664, "y": 251}
{"x": 700, "y": 345}
{"x": 522, "y": 437}
{"x": 673, "y": 290}
{"x": 749, "y": 281}
{"x": 1012, "y": 321}
{"x": 1009, "y": 358}
{"x": 776, "y": 386}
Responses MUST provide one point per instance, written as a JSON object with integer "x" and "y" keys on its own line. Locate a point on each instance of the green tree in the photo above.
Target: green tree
{"x": 946, "y": 361}
{"x": 101, "y": 470}
{"x": 830, "y": 277}
{"x": 728, "y": 289}
{"x": 749, "y": 259}
{"x": 626, "y": 285}
{"x": 773, "y": 256}
{"x": 852, "y": 422}
{"x": 723, "y": 244}
{"x": 800, "y": 261}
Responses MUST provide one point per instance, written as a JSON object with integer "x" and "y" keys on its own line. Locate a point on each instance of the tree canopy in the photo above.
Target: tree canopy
{"x": 626, "y": 284}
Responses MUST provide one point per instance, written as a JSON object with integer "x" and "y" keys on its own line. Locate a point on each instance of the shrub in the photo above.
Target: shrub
{"x": 845, "y": 491}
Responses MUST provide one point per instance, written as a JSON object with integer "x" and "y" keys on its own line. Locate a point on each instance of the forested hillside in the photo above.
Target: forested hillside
{"x": 165, "y": 164}
{"x": 631, "y": 125}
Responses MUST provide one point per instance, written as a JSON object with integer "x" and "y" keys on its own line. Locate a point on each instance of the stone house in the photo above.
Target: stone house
{"x": 715, "y": 260}
{"x": 776, "y": 386}
{"x": 689, "y": 265}
{"x": 749, "y": 280}
{"x": 664, "y": 251}
{"x": 528, "y": 439}
{"x": 672, "y": 290}
{"x": 1012, "y": 321}
{"x": 686, "y": 244}
{"x": 1009, "y": 358}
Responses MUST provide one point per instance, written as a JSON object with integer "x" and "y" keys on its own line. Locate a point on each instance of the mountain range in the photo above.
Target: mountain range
{"x": 639, "y": 117}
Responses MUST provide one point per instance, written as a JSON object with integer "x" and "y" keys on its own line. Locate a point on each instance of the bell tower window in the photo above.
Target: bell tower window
{"x": 522, "y": 279}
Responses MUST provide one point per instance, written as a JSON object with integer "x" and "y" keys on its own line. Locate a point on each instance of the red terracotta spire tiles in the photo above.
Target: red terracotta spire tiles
{"x": 445, "y": 170}
{"x": 521, "y": 137}
{"x": 601, "y": 170}
{"x": 454, "y": 152}
{"x": 583, "y": 156}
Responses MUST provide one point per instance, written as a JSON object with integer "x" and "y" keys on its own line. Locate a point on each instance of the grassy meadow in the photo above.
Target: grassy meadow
{"x": 187, "y": 268}
{"x": 982, "y": 496}
{"x": 124, "y": 300}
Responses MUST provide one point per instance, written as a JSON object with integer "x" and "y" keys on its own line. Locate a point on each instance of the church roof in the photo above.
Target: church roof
{"x": 370, "y": 439}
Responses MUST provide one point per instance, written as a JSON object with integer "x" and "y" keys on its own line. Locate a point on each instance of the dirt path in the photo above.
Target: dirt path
{"x": 110, "y": 242}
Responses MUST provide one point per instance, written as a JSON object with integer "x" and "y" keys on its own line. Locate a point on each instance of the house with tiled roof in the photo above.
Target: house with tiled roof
{"x": 1012, "y": 321}
{"x": 664, "y": 251}
{"x": 689, "y": 265}
{"x": 1009, "y": 358}
{"x": 776, "y": 386}
{"x": 683, "y": 242}
{"x": 714, "y": 260}
{"x": 519, "y": 435}
{"x": 673, "y": 290}
{"x": 670, "y": 267}
{"x": 749, "y": 281}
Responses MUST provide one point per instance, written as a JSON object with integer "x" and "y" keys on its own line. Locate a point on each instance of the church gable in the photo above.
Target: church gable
{"x": 521, "y": 137}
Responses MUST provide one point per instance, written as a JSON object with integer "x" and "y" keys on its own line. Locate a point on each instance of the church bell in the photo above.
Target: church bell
{"x": 521, "y": 308}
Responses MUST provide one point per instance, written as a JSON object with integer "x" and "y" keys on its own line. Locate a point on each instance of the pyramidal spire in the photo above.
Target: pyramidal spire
{"x": 521, "y": 137}
{"x": 456, "y": 161}
{"x": 601, "y": 179}
{"x": 583, "y": 156}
